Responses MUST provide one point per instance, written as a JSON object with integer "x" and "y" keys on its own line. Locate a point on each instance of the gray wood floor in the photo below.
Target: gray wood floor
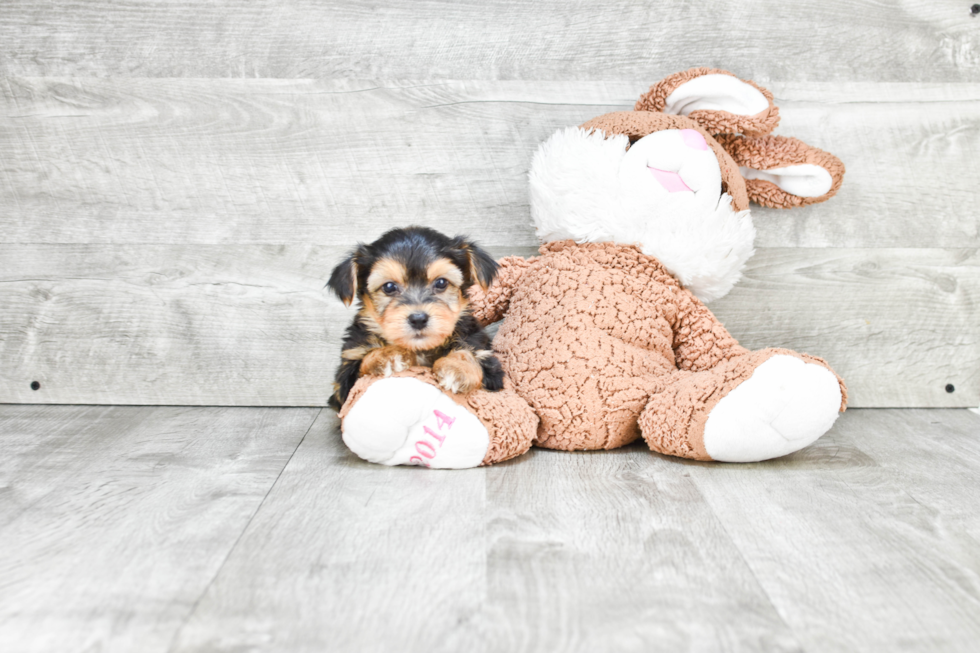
{"x": 254, "y": 529}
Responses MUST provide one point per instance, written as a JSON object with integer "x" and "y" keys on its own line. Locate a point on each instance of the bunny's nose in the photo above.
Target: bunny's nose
{"x": 693, "y": 139}
{"x": 418, "y": 320}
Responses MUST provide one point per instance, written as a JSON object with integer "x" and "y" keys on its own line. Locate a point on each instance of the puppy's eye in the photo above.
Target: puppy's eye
{"x": 389, "y": 288}
{"x": 440, "y": 284}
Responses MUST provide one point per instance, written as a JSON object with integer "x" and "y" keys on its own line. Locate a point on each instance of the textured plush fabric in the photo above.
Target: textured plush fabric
{"x": 597, "y": 334}
{"x": 768, "y": 152}
{"x": 589, "y": 187}
{"x": 673, "y": 421}
{"x": 509, "y": 420}
{"x": 714, "y": 121}
{"x": 637, "y": 124}
{"x": 602, "y": 345}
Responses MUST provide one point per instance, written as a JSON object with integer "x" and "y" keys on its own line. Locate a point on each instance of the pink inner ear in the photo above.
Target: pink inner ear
{"x": 669, "y": 180}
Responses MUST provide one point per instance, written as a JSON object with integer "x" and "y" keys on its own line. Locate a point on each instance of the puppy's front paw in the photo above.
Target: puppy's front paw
{"x": 386, "y": 360}
{"x": 458, "y": 372}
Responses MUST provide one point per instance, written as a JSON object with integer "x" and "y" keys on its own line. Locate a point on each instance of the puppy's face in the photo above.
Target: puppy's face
{"x": 415, "y": 303}
{"x": 412, "y": 284}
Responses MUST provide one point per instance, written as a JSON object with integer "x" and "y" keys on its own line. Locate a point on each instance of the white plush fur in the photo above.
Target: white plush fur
{"x": 393, "y": 422}
{"x": 805, "y": 180}
{"x": 784, "y": 406}
{"x": 717, "y": 93}
{"x": 578, "y": 192}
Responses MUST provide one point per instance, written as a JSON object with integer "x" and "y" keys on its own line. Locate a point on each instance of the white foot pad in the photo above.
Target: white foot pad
{"x": 404, "y": 421}
{"x": 784, "y": 406}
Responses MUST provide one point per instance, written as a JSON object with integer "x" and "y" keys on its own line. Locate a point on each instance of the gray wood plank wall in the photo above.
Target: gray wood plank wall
{"x": 176, "y": 182}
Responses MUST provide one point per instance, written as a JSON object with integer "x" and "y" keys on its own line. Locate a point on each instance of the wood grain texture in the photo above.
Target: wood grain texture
{"x": 253, "y": 325}
{"x": 349, "y": 556}
{"x": 852, "y": 555}
{"x": 168, "y": 219}
{"x": 933, "y": 454}
{"x": 613, "y": 551}
{"x": 201, "y": 325}
{"x": 216, "y": 529}
{"x": 550, "y": 552}
{"x": 294, "y": 161}
{"x": 113, "y": 520}
{"x": 899, "y": 325}
{"x": 833, "y": 40}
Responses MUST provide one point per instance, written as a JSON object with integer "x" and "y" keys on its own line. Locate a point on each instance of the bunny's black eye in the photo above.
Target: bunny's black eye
{"x": 389, "y": 288}
{"x": 440, "y": 284}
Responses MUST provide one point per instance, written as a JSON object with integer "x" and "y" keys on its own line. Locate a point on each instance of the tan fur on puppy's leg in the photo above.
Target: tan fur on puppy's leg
{"x": 458, "y": 372}
{"x": 387, "y": 360}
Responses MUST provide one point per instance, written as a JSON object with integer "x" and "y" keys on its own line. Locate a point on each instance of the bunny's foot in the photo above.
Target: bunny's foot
{"x": 407, "y": 419}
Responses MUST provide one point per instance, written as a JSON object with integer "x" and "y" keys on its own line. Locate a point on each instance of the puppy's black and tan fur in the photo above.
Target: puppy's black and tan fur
{"x": 411, "y": 286}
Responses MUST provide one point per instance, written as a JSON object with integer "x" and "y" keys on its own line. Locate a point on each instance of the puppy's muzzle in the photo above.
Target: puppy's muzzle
{"x": 418, "y": 320}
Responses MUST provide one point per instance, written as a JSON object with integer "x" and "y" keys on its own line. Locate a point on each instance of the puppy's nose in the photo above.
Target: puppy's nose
{"x": 418, "y": 320}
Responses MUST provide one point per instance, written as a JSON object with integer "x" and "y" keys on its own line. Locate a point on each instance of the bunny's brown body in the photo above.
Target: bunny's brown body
{"x": 605, "y": 337}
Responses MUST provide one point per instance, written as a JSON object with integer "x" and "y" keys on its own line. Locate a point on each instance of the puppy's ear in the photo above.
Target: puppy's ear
{"x": 483, "y": 268}
{"x": 343, "y": 279}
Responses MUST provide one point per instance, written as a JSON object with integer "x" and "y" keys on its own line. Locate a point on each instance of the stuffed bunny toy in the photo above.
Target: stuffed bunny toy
{"x": 605, "y": 337}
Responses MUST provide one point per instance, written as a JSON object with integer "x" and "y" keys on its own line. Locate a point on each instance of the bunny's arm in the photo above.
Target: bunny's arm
{"x": 700, "y": 339}
{"x": 490, "y": 305}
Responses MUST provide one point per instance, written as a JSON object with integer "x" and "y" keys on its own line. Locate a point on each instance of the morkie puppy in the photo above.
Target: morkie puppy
{"x": 412, "y": 310}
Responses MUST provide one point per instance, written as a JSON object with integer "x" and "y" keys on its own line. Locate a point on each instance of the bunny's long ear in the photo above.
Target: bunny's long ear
{"x": 716, "y": 99}
{"x": 782, "y": 172}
